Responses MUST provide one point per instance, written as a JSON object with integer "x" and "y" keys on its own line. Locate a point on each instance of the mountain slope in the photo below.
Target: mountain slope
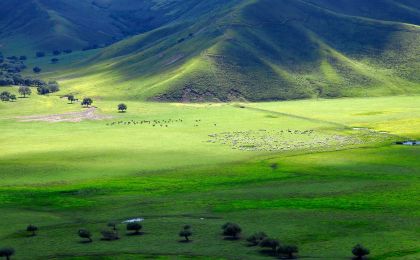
{"x": 264, "y": 50}
{"x": 45, "y": 25}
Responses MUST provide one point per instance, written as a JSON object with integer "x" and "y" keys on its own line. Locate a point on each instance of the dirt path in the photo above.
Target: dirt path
{"x": 87, "y": 114}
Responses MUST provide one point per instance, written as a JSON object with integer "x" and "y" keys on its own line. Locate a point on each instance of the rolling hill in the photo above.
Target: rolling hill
{"x": 258, "y": 50}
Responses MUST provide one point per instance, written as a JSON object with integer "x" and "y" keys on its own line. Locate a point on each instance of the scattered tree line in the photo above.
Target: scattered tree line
{"x": 231, "y": 231}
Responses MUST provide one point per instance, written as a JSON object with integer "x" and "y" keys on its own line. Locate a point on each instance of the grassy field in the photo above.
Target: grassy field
{"x": 330, "y": 178}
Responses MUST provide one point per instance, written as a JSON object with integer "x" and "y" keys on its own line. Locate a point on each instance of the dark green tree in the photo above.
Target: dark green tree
{"x": 5, "y": 96}
{"x": 84, "y": 233}
{"x": 288, "y": 251}
{"x": 231, "y": 230}
{"x": 186, "y": 232}
{"x": 12, "y": 97}
{"x": 37, "y": 70}
{"x": 360, "y": 251}
{"x": 87, "y": 102}
{"x": 25, "y": 91}
{"x": 32, "y": 229}
{"x": 135, "y": 227}
{"x": 110, "y": 235}
{"x": 71, "y": 98}
{"x": 7, "y": 252}
{"x": 122, "y": 107}
{"x": 256, "y": 238}
{"x": 270, "y": 243}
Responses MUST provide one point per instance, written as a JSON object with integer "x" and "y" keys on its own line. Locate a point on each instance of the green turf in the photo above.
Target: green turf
{"x": 65, "y": 176}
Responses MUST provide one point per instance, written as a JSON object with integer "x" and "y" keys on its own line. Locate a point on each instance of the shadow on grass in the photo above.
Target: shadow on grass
{"x": 184, "y": 241}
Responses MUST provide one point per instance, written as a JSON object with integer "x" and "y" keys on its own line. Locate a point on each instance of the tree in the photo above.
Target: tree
{"x": 71, "y": 98}
{"x": 56, "y": 52}
{"x": 186, "y": 232}
{"x": 7, "y": 252}
{"x": 360, "y": 251}
{"x": 87, "y": 102}
{"x": 113, "y": 225}
{"x": 84, "y": 233}
{"x": 25, "y": 91}
{"x": 40, "y": 54}
{"x": 37, "y": 70}
{"x": 110, "y": 235}
{"x": 33, "y": 229}
{"x": 231, "y": 230}
{"x": 256, "y": 238}
{"x": 288, "y": 250}
{"x": 12, "y": 97}
{"x": 54, "y": 60}
{"x": 270, "y": 243}
{"x": 122, "y": 107}
{"x": 134, "y": 226}
{"x": 5, "y": 96}
{"x": 23, "y": 57}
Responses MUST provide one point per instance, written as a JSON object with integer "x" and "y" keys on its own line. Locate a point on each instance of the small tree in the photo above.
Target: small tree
{"x": 122, "y": 107}
{"x": 71, "y": 98}
{"x": 110, "y": 235}
{"x": 37, "y": 70}
{"x": 12, "y": 97}
{"x": 87, "y": 102}
{"x": 256, "y": 238}
{"x": 231, "y": 230}
{"x": 25, "y": 91}
{"x": 113, "y": 225}
{"x": 186, "y": 232}
{"x": 134, "y": 226}
{"x": 54, "y": 60}
{"x": 84, "y": 233}
{"x": 56, "y": 52}
{"x": 270, "y": 243}
{"x": 288, "y": 250}
{"x": 40, "y": 54}
{"x": 32, "y": 229}
{"x": 7, "y": 252}
{"x": 5, "y": 96}
{"x": 360, "y": 251}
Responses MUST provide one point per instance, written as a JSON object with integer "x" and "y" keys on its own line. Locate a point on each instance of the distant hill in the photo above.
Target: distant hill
{"x": 256, "y": 50}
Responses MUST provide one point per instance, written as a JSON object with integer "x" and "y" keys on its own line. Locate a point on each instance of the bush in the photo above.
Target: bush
{"x": 68, "y": 51}
{"x": 231, "y": 230}
{"x": 5, "y": 96}
{"x": 134, "y": 226}
{"x": 270, "y": 243}
{"x": 32, "y": 229}
{"x": 360, "y": 251}
{"x": 40, "y": 54}
{"x": 84, "y": 233}
{"x": 256, "y": 238}
{"x": 56, "y": 52}
{"x": 7, "y": 252}
{"x": 54, "y": 60}
{"x": 37, "y": 69}
{"x": 22, "y": 57}
{"x": 288, "y": 250}
{"x": 12, "y": 97}
{"x": 109, "y": 235}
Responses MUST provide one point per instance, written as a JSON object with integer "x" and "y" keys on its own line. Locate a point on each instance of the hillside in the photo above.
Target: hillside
{"x": 260, "y": 50}
{"x": 45, "y": 25}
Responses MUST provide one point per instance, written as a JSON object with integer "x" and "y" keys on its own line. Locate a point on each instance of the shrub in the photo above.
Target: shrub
{"x": 12, "y": 97}
{"x": 22, "y": 57}
{"x": 256, "y": 238}
{"x": 84, "y": 233}
{"x": 231, "y": 230}
{"x": 270, "y": 243}
{"x": 122, "y": 107}
{"x": 68, "y": 51}
{"x": 5, "y": 96}
{"x": 288, "y": 250}
{"x": 7, "y": 252}
{"x": 56, "y": 52}
{"x": 109, "y": 235}
{"x": 37, "y": 69}
{"x": 360, "y": 251}
{"x": 40, "y": 54}
{"x": 54, "y": 60}
{"x": 134, "y": 226}
{"x": 32, "y": 229}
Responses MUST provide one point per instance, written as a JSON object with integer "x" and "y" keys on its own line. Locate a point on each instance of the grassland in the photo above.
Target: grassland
{"x": 64, "y": 176}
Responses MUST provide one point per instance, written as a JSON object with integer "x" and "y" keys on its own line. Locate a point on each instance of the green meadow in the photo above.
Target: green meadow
{"x": 321, "y": 174}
